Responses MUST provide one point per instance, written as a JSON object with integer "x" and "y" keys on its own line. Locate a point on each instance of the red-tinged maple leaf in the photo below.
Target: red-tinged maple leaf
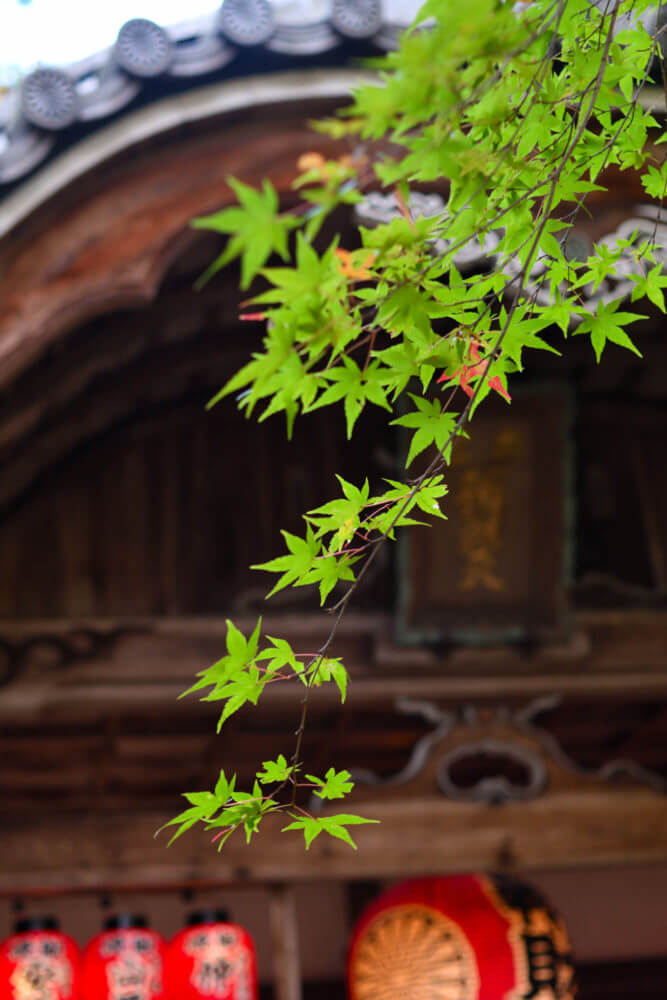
{"x": 473, "y": 351}
{"x": 467, "y": 372}
{"x": 463, "y": 374}
{"x": 252, "y": 317}
{"x": 495, "y": 383}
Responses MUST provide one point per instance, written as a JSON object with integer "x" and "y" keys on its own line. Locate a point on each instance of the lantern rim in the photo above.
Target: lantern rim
{"x": 125, "y": 921}
{"x": 210, "y": 915}
{"x": 37, "y": 923}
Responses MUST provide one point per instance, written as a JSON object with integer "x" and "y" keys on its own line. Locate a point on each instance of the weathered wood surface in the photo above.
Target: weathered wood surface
{"x": 622, "y": 522}
{"x": 285, "y": 939}
{"x": 608, "y": 826}
{"x": 164, "y": 515}
{"x": 124, "y": 661}
{"x": 107, "y": 732}
{"x": 106, "y": 243}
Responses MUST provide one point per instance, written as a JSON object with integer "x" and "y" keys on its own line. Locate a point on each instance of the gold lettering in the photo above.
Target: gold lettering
{"x": 481, "y": 501}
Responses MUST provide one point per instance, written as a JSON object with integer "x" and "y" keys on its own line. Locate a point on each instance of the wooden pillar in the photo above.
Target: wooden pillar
{"x": 285, "y": 943}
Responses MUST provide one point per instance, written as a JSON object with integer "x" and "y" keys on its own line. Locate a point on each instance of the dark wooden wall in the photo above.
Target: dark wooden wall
{"x": 121, "y": 495}
{"x": 165, "y": 514}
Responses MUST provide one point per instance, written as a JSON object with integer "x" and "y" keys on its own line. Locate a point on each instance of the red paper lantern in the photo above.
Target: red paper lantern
{"x": 124, "y": 962}
{"x": 212, "y": 958}
{"x": 463, "y": 937}
{"x": 39, "y": 963}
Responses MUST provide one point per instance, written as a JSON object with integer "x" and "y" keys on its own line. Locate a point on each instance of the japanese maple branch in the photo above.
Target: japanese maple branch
{"x": 440, "y": 460}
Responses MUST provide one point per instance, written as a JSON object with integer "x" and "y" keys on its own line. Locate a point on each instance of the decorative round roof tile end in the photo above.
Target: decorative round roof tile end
{"x": 357, "y": 18}
{"x": 49, "y": 99}
{"x": 143, "y": 48}
{"x": 246, "y": 22}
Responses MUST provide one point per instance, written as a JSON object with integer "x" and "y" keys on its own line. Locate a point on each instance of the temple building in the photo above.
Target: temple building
{"x": 507, "y": 710}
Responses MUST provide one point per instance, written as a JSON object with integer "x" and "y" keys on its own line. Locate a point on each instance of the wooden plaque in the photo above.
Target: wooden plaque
{"x": 497, "y": 568}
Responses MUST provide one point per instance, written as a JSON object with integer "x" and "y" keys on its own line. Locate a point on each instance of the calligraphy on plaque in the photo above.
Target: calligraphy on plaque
{"x": 497, "y": 568}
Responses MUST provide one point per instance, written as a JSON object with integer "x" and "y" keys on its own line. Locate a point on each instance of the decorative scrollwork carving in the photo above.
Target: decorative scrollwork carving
{"x": 489, "y": 760}
{"x": 143, "y": 48}
{"x": 246, "y": 22}
{"x": 49, "y": 99}
{"x": 512, "y": 768}
{"x": 55, "y": 652}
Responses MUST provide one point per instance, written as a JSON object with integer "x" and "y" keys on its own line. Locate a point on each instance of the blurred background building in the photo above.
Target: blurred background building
{"x": 508, "y": 706}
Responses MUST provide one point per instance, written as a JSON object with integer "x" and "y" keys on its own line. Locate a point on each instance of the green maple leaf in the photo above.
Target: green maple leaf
{"x": 203, "y": 806}
{"x": 330, "y": 669}
{"x": 335, "y": 785}
{"x": 274, "y": 770}
{"x": 280, "y": 654}
{"x": 254, "y": 227}
{"x": 245, "y": 809}
{"x": 407, "y": 310}
{"x": 310, "y": 827}
{"x": 400, "y": 363}
{"x": 431, "y": 425}
{"x": 354, "y": 386}
{"x": 340, "y": 517}
{"x": 651, "y": 286}
{"x": 240, "y": 651}
{"x": 307, "y": 282}
{"x": 521, "y": 333}
{"x": 600, "y": 265}
{"x": 224, "y": 787}
{"x": 247, "y": 686}
{"x": 328, "y": 571}
{"x": 654, "y": 181}
{"x": 607, "y": 324}
{"x": 339, "y": 677}
{"x": 295, "y": 566}
{"x": 335, "y": 826}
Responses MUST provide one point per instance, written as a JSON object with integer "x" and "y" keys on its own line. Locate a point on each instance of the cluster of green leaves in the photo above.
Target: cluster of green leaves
{"x": 327, "y": 554}
{"x": 224, "y": 810}
{"x": 239, "y": 677}
{"x": 476, "y": 101}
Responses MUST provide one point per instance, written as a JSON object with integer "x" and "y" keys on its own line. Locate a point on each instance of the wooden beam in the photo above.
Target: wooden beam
{"x": 613, "y": 824}
{"x": 27, "y": 705}
{"x": 118, "y": 233}
{"x": 285, "y": 942}
{"x": 139, "y": 665}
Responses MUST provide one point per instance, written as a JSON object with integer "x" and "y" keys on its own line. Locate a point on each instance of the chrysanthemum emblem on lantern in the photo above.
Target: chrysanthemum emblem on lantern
{"x": 38, "y": 963}
{"x": 212, "y": 958}
{"x": 464, "y": 937}
{"x": 125, "y": 962}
